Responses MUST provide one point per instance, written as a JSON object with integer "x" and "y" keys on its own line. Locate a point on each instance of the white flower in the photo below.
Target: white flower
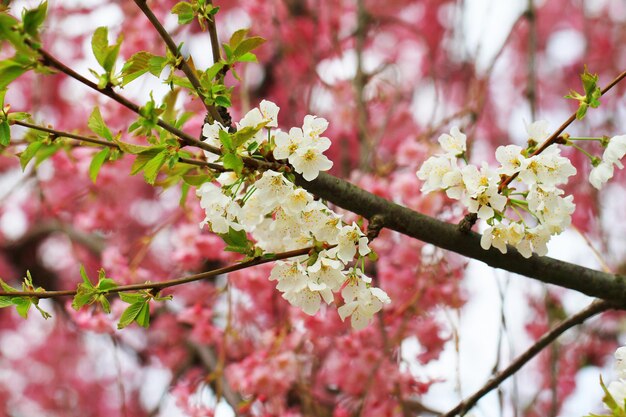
{"x": 361, "y": 301}
{"x": 510, "y": 157}
{"x": 310, "y": 161}
{"x": 327, "y": 271}
{"x": 221, "y": 211}
{"x": 296, "y": 201}
{"x": 548, "y": 168}
{"x": 327, "y": 227}
{"x": 476, "y": 182}
{"x": 272, "y": 189}
{"x": 288, "y": 143}
{"x": 453, "y": 143}
{"x": 314, "y": 126}
{"x": 499, "y": 235}
{"x": 496, "y": 236}
{"x": 211, "y": 134}
{"x": 309, "y": 298}
{"x": 615, "y": 150}
{"x": 432, "y": 172}
{"x": 348, "y": 239}
{"x": 600, "y": 174}
{"x": 538, "y": 131}
{"x": 535, "y": 239}
{"x": 269, "y": 113}
{"x": 291, "y": 276}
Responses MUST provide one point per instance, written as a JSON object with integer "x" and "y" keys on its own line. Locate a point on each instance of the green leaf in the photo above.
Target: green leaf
{"x": 5, "y": 301}
{"x": 9, "y": 71}
{"x": 184, "y": 11}
{"x": 45, "y": 152}
{"x": 111, "y": 55}
{"x": 100, "y": 44}
{"x": 106, "y": 306}
{"x": 143, "y": 318}
{"x": 152, "y": 167}
{"x": 156, "y": 65}
{"x": 85, "y": 278}
{"x": 131, "y": 148}
{"x": 234, "y": 162}
{"x": 33, "y": 18}
{"x": 97, "y": 125}
{"x": 213, "y": 70}
{"x": 5, "y": 133}
{"x": 96, "y": 163}
{"x": 136, "y": 66}
{"x": 132, "y": 297}
{"x": 247, "y": 45}
{"x": 247, "y": 57}
{"x": 130, "y": 314}
{"x": 237, "y": 37}
{"x": 29, "y": 153}
{"x": 106, "y": 284}
{"x": 144, "y": 157}
{"x": 243, "y": 135}
{"x": 83, "y": 297}
{"x": 197, "y": 179}
{"x": 22, "y": 305}
{"x": 236, "y": 241}
{"x": 223, "y": 101}
{"x": 226, "y": 140}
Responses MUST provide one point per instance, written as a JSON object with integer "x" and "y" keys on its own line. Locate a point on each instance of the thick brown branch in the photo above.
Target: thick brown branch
{"x": 447, "y": 236}
{"x": 594, "y": 308}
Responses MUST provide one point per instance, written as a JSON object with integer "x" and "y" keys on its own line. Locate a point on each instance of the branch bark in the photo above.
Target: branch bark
{"x": 594, "y": 283}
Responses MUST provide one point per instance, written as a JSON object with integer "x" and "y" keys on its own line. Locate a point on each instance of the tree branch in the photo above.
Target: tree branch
{"x": 594, "y": 308}
{"x": 594, "y": 283}
{"x": 158, "y": 286}
{"x": 61, "y": 134}
{"x": 184, "y": 66}
{"x": 50, "y": 61}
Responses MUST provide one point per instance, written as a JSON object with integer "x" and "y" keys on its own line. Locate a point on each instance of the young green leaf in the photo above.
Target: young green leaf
{"x": 29, "y": 153}
{"x": 100, "y": 44}
{"x": 247, "y": 45}
{"x": 97, "y": 125}
{"x": 184, "y": 11}
{"x": 143, "y": 318}
{"x": 33, "y": 18}
{"x": 96, "y": 163}
{"x": 132, "y": 297}
{"x": 144, "y": 157}
{"x": 153, "y": 166}
{"x": 5, "y": 133}
{"x": 9, "y": 71}
{"x": 136, "y": 66}
{"x": 234, "y": 162}
{"x": 130, "y": 314}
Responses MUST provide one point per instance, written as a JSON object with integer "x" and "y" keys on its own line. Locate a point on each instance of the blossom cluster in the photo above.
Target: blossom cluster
{"x": 534, "y": 190}
{"x": 303, "y": 147}
{"x": 279, "y": 216}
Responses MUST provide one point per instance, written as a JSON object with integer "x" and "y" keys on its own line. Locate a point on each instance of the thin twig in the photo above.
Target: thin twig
{"x": 553, "y": 138}
{"x": 594, "y": 308}
{"x": 50, "y": 61}
{"x": 61, "y": 134}
{"x": 158, "y": 286}
{"x": 184, "y": 66}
